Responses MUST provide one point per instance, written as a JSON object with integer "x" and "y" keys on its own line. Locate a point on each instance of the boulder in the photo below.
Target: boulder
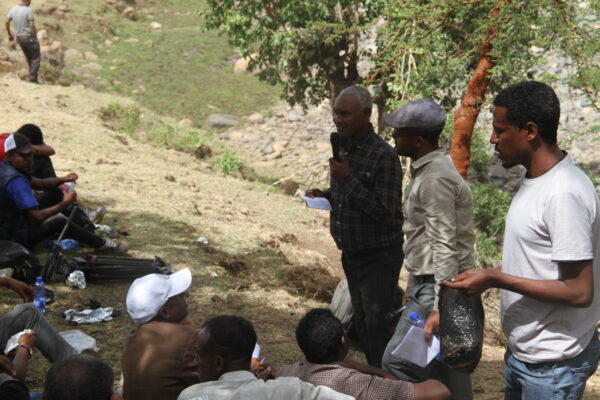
{"x": 155, "y": 25}
{"x": 128, "y": 12}
{"x": 73, "y": 54}
{"x": 256, "y": 118}
{"x": 53, "y": 54}
{"x": 90, "y": 55}
{"x": 221, "y": 120}
{"x": 241, "y": 67}
{"x": 43, "y": 38}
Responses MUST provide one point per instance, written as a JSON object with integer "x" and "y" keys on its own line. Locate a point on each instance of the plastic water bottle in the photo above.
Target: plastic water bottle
{"x": 68, "y": 244}
{"x": 39, "y": 295}
{"x": 416, "y": 320}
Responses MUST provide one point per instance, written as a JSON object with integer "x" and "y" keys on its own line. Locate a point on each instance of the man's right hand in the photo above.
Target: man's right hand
{"x": 314, "y": 193}
{"x": 69, "y": 197}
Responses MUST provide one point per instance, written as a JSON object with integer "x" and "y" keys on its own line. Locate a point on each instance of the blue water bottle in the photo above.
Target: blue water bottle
{"x": 416, "y": 320}
{"x": 39, "y": 295}
{"x": 68, "y": 244}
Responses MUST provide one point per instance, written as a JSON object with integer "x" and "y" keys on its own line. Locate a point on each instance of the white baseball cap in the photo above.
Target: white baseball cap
{"x": 149, "y": 293}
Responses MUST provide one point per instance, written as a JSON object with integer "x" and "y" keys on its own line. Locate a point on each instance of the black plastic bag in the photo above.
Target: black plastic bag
{"x": 461, "y": 328}
{"x": 26, "y": 266}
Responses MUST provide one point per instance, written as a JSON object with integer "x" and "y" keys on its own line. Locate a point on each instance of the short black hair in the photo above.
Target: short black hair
{"x": 79, "y": 377}
{"x": 233, "y": 336}
{"x": 319, "y": 335}
{"x": 531, "y": 101}
{"x": 33, "y": 133}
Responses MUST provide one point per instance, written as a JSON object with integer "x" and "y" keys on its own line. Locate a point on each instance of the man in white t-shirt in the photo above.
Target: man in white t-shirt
{"x": 551, "y": 260}
{"x": 23, "y": 19}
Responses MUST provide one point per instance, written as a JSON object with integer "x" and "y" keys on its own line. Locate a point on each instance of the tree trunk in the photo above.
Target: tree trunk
{"x": 466, "y": 115}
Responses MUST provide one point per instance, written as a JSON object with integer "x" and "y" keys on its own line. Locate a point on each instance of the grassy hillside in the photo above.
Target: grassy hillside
{"x": 177, "y": 70}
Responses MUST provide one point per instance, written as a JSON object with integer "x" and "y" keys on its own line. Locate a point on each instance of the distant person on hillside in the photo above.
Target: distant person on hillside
{"x": 159, "y": 358}
{"x": 223, "y": 349}
{"x": 21, "y": 219}
{"x": 325, "y": 345}
{"x": 80, "y": 377}
{"x": 23, "y": 20}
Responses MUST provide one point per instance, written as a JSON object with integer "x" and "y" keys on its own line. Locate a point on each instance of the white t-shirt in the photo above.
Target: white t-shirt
{"x": 20, "y": 16}
{"x": 554, "y": 217}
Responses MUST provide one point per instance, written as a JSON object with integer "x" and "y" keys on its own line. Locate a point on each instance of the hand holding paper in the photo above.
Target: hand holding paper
{"x": 415, "y": 349}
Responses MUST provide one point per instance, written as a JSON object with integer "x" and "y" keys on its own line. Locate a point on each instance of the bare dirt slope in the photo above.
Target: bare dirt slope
{"x": 268, "y": 258}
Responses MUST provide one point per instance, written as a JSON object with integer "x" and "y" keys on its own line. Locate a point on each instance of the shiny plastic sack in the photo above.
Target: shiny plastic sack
{"x": 461, "y": 329}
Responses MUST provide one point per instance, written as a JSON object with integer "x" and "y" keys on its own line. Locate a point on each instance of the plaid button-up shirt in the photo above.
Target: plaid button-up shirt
{"x": 343, "y": 379}
{"x": 366, "y": 205}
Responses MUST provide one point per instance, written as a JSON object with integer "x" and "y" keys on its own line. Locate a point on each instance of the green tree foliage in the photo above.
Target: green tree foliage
{"x": 308, "y": 47}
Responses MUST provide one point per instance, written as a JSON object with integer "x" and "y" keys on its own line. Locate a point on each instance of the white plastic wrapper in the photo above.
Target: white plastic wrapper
{"x": 13, "y": 342}
{"x": 76, "y": 279}
{"x": 89, "y": 316}
{"x": 79, "y": 340}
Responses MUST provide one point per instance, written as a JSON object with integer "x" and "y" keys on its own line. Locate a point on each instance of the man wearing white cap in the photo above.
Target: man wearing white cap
{"x": 439, "y": 234}
{"x": 158, "y": 360}
{"x": 21, "y": 218}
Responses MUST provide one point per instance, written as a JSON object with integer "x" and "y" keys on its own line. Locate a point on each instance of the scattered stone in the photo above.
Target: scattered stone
{"x": 241, "y": 67}
{"x": 279, "y": 146}
{"x": 122, "y": 139}
{"x": 113, "y": 68}
{"x": 128, "y": 12}
{"x": 93, "y": 66}
{"x": 186, "y": 122}
{"x": 289, "y": 186}
{"x": 267, "y": 149}
{"x": 221, "y": 120}
{"x": 149, "y": 43}
{"x": 73, "y": 54}
{"x": 43, "y": 38}
{"x": 155, "y": 25}
{"x": 53, "y": 54}
{"x": 170, "y": 178}
{"x": 293, "y": 116}
{"x": 108, "y": 42}
{"x": 90, "y": 55}
{"x": 116, "y": 38}
{"x": 256, "y": 118}
{"x": 143, "y": 137}
{"x": 132, "y": 40}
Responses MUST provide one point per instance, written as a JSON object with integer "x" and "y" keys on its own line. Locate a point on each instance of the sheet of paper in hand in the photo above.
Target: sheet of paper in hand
{"x": 415, "y": 349}
{"x": 320, "y": 203}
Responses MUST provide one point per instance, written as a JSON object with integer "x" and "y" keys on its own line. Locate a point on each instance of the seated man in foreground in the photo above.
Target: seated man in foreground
{"x": 80, "y": 377}
{"x": 46, "y": 339}
{"x": 21, "y": 219}
{"x": 224, "y": 349}
{"x": 158, "y": 360}
{"x": 325, "y": 345}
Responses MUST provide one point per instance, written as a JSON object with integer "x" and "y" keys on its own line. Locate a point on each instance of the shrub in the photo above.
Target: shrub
{"x": 120, "y": 118}
{"x": 490, "y": 206}
{"x": 227, "y": 162}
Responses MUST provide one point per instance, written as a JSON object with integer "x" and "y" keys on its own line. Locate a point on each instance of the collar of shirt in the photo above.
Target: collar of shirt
{"x": 237, "y": 376}
{"x": 426, "y": 159}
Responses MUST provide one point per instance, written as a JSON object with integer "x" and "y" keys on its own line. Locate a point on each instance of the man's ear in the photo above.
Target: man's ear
{"x": 220, "y": 365}
{"x": 532, "y": 131}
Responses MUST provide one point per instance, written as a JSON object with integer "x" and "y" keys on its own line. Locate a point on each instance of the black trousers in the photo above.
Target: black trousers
{"x": 54, "y": 225}
{"x": 372, "y": 279}
{"x": 31, "y": 49}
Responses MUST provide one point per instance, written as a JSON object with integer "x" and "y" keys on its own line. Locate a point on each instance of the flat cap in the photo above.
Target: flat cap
{"x": 421, "y": 115}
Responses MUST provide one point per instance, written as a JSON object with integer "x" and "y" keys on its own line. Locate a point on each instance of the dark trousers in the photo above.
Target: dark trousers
{"x": 54, "y": 225}
{"x": 31, "y": 49}
{"x": 372, "y": 279}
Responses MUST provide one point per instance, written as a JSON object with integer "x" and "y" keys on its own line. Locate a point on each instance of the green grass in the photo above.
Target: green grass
{"x": 185, "y": 73}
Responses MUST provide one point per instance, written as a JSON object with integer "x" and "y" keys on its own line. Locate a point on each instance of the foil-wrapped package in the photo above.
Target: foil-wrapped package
{"x": 89, "y": 316}
{"x": 76, "y": 279}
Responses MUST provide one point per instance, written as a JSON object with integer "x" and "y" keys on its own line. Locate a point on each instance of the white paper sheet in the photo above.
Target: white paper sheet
{"x": 320, "y": 203}
{"x": 415, "y": 349}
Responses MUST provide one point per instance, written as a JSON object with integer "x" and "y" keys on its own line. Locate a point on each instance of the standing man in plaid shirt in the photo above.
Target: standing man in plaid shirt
{"x": 366, "y": 217}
